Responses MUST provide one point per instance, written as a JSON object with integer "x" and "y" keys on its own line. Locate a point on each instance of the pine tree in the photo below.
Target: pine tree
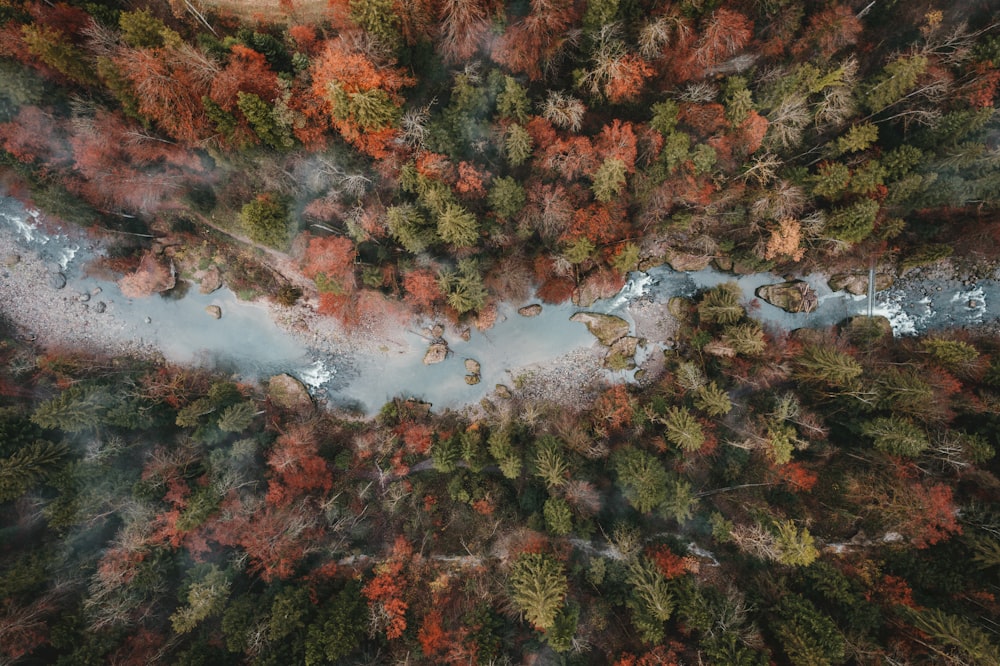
{"x": 458, "y": 226}
{"x": 680, "y": 501}
{"x": 712, "y": 400}
{"x": 75, "y": 409}
{"x": 506, "y": 197}
{"x": 808, "y": 636}
{"x": 794, "y": 547}
{"x": 896, "y": 435}
{"x": 609, "y": 180}
{"x": 721, "y": 304}
{"x": 683, "y": 430}
{"x": 550, "y": 464}
{"x": 238, "y": 417}
{"x": 29, "y": 465}
{"x": 558, "y": 517}
{"x": 518, "y": 145}
{"x": 650, "y": 599}
{"x": 826, "y": 365}
{"x": 539, "y": 587}
{"x": 971, "y": 642}
{"x": 642, "y": 477}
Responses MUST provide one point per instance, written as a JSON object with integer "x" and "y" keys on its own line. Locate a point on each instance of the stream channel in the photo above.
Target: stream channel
{"x": 247, "y": 342}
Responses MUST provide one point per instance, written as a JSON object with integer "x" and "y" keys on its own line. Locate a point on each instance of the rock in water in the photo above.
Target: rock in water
{"x": 472, "y": 366}
{"x": 685, "y": 261}
{"x": 622, "y": 353}
{"x": 857, "y": 283}
{"x": 792, "y": 296}
{"x": 286, "y": 392}
{"x": 532, "y": 310}
{"x": 57, "y": 280}
{"x": 472, "y": 379}
{"x": 211, "y": 281}
{"x": 606, "y": 328}
{"x": 437, "y": 352}
{"x": 214, "y": 311}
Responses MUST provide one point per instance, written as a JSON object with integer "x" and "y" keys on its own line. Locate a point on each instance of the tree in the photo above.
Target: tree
{"x": 712, "y": 400}
{"x": 897, "y": 79}
{"x": 558, "y": 517}
{"x": 794, "y": 547}
{"x": 380, "y": 20}
{"x": 807, "y": 636}
{"x": 75, "y": 409}
{"x": 682, "y": 430}
{"x": 724, "y": 34}
{"x": 206, "y": 595}
{"x": 338, "y": 628}
{"x": 464, "y": 25}
{"x": 409, "y": 227}
{"x": 858, "y": 138}
{"x": 56, "y": 50}
{"x": 518, "y": 145}
{"x": 896, "y": 435}
{"x": 721, "y": 304}
{"x": 642, "y": 477}
{"x": 141, "y": 30}
{"x": 238, "y": 417}
{"x": 463, "y": 288}
{"x": 650, "y": 598}
{"x": 27, "y": 466}
{"x": 550, "y": 464}
{"x": 609, "y": 180}
{"x": 827, "y": 366}
{"x": 539, "y": 586}
{"x": 457, "y": 226}
{"x": 266, "y": 220}
{"x": 955, "y": 632}
{"x": 266, "y": 123}
{"x": 506, "y": 197}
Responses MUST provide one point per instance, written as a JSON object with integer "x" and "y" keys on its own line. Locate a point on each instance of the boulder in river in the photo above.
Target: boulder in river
{"x": 606, "y": 328}
{"x": 210, "y": 281}
{"x": 436, "y": 352}
{"x": 472, "y": 379}
{"x": 686, "y": 261}
{"x": 57, "y": 280}
{"x": 792, "y": 296}
{"x": 472, "y": 366}
{"x": 214, "y": 311}
{"x": 152, "y": 276}
{"x": 532, "y": 310}
{"x": 597, "y": 285}
{"x": 621, "y": 354}
{"x": 286, "y": 392}
{"x": 865, "y": 330}
{"x": 857, "y": 283}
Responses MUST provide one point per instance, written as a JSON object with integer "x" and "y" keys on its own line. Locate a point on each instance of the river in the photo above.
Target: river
{"x": 247, "y": 342}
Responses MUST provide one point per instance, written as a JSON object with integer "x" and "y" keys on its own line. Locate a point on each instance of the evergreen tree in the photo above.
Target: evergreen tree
{"x": 712, "y": 400}
{"x": 506, "y": 197}
{"x": 642, "y": 477}
{"x": 29, "y": 465}
{"x": 75, "y": 409}
{"x": 896, "y": 435}
{"x": 458, "y": 226}
{"x": 266, "y": 220}
{"x": 558, "y": 517}
{"x": 721, "y": 304}
{"x": 539, "y": 587}
{"x": 826, "y": 365}
{"x": 238, "y": 417}
{"x": 683, "y": 430}
{"x": 549, "y": 462}
{"x": 609, "y": 180}
{"x": 650, "y": 599}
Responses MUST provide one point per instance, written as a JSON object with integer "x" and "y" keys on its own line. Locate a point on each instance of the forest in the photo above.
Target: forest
{"x": 771, "y": 497}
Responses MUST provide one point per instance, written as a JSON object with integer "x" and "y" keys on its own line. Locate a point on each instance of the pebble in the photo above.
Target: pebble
{"x": 84, "y": 297}
{"x": 148, "y": 320}
{"x": 100, "y": 307}
{"x": 57, "y": 280}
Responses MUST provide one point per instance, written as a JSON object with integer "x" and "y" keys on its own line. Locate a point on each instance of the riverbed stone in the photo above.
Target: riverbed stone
{"x": 100, "y": 307}
{"x": 57, "y": 280}
{"x": 437, "y": 330}
{"x": 472, "y": 366}
{"x": 84, "y": 297}
{"x": 606, "y": 328}
{"x": 723, "y": 264}
{"x": 503, "y": 391}
{"x": 287, "y": 392}
{"x": 621, "y": 354}
{"x": 472, "y": 379}
{"x": 595, "y": 287}
{"x": 680, "y": 307}
{"x": 12, "y": 260}
{"x": 211, "y": 280}
{"x": 864, "y": 330}
{"x": 436, "y": 352}
{"x": 857, "y": 283}
{"x": 686, "y": 261}
{"x": 532, "y": 310}
{"x": 214, "y": 311}
{"x": 792, "y": 296}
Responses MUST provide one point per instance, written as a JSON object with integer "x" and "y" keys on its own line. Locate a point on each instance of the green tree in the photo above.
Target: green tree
{"x": 642, "y": 477}
{"x": 501, "y": 446}
{"x": 579, "y": 251}
{"x": 29, "y": 465}
{"x": 518, "y": 145}
{"x": 609, "y": 180}
{"x": 409, "y": 228}
{"x": 266, "y": 124}
{"x": 683, "y": 430}
{"x": 794, "y": 547}
{"x": 679, "y": 500}
{"x": 75, "y": 409}
{"x": 338, "y": 629}
{"x": 266, "y": 220}
{"x": 952, "y": 354}
{"x": 896, "y": 435}
{"x": 558, "y": 516}
{"x": 539, "y": 587}
{"x": 897, "y": 79}
{"x": 650, "y": 598}
{"x": 858, "y": 138}
{"x": 506, "y": 197}
{"x": 828, "y": 366}
{"x": 712, "y": 400}
{"x": 458, "y": 226}
{"x": 379, "y": 19}
{"x": 464, "y": 288}
{"x": 141, "y": 30}
{"x": 207, "y": 591}
{"x": 721, "y": 304}
{"x": 550, "y": 463}
{"x": 703, "y": 157}
{"x": 56, "y": 50}
{"x": 745, "y": 339}
{"x": 627, "y": 258}
{"x": 513, "y": 102}
{"x": 808, "y": 636}
{"x": 830, "y": 180}
{"x": 853, "y": 223}
{"x": 238, "y": 417}
{"x": 956, "y": 634}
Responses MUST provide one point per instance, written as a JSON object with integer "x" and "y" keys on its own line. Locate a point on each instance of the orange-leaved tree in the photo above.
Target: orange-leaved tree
{"x": 362, "y": 96}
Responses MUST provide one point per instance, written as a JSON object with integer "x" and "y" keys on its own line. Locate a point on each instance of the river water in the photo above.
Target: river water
{"x": 247, "y": 342}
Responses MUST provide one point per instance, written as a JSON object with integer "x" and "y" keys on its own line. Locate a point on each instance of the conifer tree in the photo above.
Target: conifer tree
{"x": 539, "y": 587}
